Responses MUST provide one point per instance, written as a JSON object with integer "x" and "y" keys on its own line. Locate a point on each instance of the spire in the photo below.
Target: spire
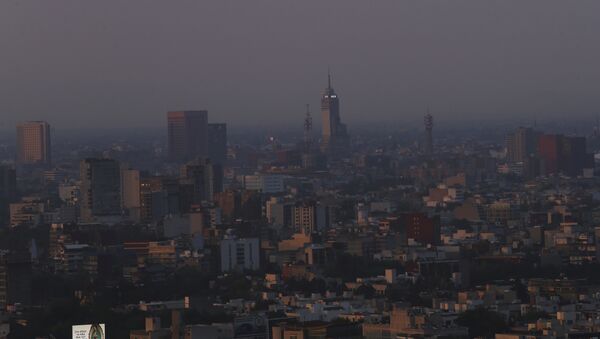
{"x": 328, "y": 78}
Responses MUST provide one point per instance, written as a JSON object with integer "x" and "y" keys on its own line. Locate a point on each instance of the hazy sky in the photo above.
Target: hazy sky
{"x": 105, "y": 63}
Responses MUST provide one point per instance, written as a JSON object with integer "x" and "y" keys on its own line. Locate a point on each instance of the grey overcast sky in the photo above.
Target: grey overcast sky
{"x": 124, "y": 63}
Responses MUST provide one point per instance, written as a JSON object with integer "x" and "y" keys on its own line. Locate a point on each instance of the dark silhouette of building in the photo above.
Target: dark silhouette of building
{"x": 8, "y": 191}
{"x": 100, "y": 188}
{"x": 574, "y": 156}
{"x": 217, "y": 143}
{"x": 205, "y": 178}
{"x": 229, "y": 201}
{"x": 159, "y": 196}
{"x": 562, "y": 154}
{"x": 187, "y": 135}
{"x": 245, "y": 204}
{"x": 421, "y": 228}
{"x": 15, "y": 278}
{"x": 521, "y": 144}
{"x": 549, "y": 151}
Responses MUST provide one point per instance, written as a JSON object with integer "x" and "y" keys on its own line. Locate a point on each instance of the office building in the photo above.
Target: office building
{"x": 240, "y": 255}
{"x": 549, "y": 146}
{"x": 33, "y": 143}
{"x": 8, "y": 191}
{"x": 521, "y": 144}
{"x": 74, "y": 259}
{"x": 187, "y": 135}
{"x": 421, "y": 228}
{"x": 131, "y": 193}
{"x": 15, "y": 278}
{"x": 204, "y": 177}
{"x": 575, "y": 156}
{"x": 158, "y": 197}
{"x": 160, "y": 253}
{"x": 217, "y": 143}
{"x": 264, "y": 183}
{"x": 100, "y": 189}
{"x": 335, "y": 136}
{"x": 250, "y": 205}
{"x": 309, "y": 217}
{"x": 229, "y": 201}
{"x": 161, "y": 196}
{"x": 278, "y": 212}
{"x": 562, "y": 154}
{"x": 28, "y": 213}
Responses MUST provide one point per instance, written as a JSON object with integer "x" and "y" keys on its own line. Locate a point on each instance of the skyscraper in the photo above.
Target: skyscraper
{"x": 521, "y": 144}
{"x": 563, "y": 154}
{"x": 130, "y": 192}
{"x": 217, "y": 143}
{"x": 100, "y": 188}
{"x": 188, "y": 135}
{"x": 33, "y": 143}
{"x": 335, "y": 135}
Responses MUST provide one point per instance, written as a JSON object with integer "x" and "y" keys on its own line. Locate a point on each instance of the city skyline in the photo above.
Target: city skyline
{"x": 413, "y": 55}
{"x": 299, "y": 170}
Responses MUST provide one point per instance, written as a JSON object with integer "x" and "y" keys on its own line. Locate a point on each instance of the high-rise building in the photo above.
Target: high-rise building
{"x": 310, "y": 216}
{"x": 562, "y": 154}
{"x": 33, "y": 143}
{"x": 205, "y": 178}
{"x": 15, "y": 278}
{"x": 29, "y": 212}
{"x": 278, "y": 212}
{"x": 575, "y": 156}
{"x": 421, "y": 228}
{"x": 159, "y": 196}
{"x": 229, "y": 201}
{"x": 521, "y": 144}
{"x": 250, "y": 205}
{"x": 188, "y": 135}
{"x": 240, "y": 255}
{"x": 335, "y": 135}
{"x": 8, "y": 191}
{"x": 264, "y": 183}
{"x": 217, "y": 143}
{"x": 100, "y": 188}
{"x": 131, "y": 194}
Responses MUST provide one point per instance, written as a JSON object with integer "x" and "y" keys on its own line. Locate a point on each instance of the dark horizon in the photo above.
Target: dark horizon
{"x": 414, "y": 126}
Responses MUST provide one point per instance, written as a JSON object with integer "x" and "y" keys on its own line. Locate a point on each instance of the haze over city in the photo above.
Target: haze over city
{"x": 333, "y": 169}
{"x": 106, "y": 63}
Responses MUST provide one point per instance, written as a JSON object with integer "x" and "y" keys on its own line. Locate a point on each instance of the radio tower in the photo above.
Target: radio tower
{"x": 428, "y": 133}
{"x": 307, "y": 129}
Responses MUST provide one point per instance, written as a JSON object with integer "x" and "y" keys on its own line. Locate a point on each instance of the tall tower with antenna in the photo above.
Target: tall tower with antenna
{"x": 428, "y": 133}
{"x": 335, "y": 135}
